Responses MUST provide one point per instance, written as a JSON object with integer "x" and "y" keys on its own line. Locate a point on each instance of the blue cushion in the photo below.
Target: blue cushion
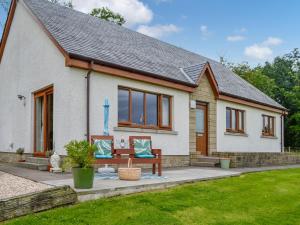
{"x": 97, "y": 156}
{"x": 143, "y": 156}
{"x": 103, "y": 149}
{"x": 142, "y": 147}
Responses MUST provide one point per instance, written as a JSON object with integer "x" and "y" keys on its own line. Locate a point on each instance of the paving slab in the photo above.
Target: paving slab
{"x": 34, "y": 175}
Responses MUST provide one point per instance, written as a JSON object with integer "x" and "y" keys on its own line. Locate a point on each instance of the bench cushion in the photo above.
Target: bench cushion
{"x": 103, "y": 156}
{"x": 142, "y": 147}
{"x": 103, "y": 149}
{"x": 144, "y": 156}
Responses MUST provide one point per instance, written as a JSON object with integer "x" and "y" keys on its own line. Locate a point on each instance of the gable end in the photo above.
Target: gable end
{"x": 7, "y": 26}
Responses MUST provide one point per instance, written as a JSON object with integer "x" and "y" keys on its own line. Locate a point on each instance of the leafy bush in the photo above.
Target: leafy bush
{"x": 80, "y": 154}
{"x": 20, "y": 151}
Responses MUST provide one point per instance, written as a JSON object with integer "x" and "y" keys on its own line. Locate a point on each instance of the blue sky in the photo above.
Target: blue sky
{"x": 4, "y": 5}
{"x": 239, "y": 30}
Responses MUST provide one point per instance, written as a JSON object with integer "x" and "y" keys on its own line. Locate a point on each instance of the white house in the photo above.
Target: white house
{"x": 58, "y": 66}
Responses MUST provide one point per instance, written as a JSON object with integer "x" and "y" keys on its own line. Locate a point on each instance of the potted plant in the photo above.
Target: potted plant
{"x": 80, "y": 157}
{"x": 20, "y": 152}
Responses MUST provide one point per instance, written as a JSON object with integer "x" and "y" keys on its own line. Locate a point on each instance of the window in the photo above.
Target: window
{"x": 234, "y": 120}
{"x": 4, "y": 10}
{"x": 138, "y": 108}
{"x": 268, "y": 125}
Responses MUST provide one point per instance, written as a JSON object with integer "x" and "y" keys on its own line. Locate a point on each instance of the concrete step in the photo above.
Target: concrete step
{"x": 209, "y": 159}
{"x": 34, "y": 166}
{"x": 204, "y": 164}
{"x": 37, "y": 160}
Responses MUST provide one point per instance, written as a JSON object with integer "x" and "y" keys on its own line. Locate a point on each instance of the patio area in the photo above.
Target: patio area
{"x": 107, "y": 185}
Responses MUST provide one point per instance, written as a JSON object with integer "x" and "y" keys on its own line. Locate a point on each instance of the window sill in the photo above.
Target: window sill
{"x": 236, "y": 134}
{"x": 269, "y": 137}
{"x": 142, "y": 130}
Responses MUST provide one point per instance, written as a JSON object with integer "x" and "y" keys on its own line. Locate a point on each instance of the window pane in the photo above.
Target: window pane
{"x": 233, "y": 121}
{"x": 165, "y": 111}
{"x": 123, "y": 105}
{"x": 137, "y": 107}
{"x": 266, "y": 123}
{"x": 151, "y": 100}
{"x": 50, "y": 121}
{"x": 271, "y": 125}
{"x": 228, "y": 118}
{"x": 4, "y": 9}
{"x": 199, "y": 120}
{"x": 241, "y": 120}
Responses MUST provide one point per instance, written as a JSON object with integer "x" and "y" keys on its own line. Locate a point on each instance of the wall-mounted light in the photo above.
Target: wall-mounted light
{"x": 193, "y": 104}
{"x": 22, "y": 98}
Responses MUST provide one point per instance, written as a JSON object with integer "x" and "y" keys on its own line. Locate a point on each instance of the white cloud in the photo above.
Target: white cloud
{"x": 158, "y": 31}
{"x": 272, "y": 41}
{"x": 205, "y": 33}
{"x": 258, "y": 52}
{"x": 235, "y": 38}
{"x": 263, "y": 50}
{"x": 134, "y": 11}
{"x": 242, "y": 30}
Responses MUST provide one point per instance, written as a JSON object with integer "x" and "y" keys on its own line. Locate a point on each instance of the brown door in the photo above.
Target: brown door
{"x": 43, "y": 122}
{"x": 201, "y": 128}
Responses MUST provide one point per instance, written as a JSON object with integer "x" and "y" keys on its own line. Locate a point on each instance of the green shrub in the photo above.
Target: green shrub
{"x": 20, "y": 151}
{"x": 79, "y": 154}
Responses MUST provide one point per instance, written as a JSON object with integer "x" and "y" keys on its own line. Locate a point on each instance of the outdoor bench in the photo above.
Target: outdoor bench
{"x": 121, "y": 156}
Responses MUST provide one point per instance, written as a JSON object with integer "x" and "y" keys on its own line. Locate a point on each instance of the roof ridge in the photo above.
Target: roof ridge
{"x": 187, "y": 76}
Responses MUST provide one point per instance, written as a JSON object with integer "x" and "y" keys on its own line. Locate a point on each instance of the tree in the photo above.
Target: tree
{"x": 106, "y": 14}
{"x": 257, "y": 78}
{"x": 68, "y": 4}
{"x": 280, "y": 80}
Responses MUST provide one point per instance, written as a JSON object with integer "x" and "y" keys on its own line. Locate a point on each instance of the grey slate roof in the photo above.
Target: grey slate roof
{"x": 194, "y": 71}
{"x": 89, "y": 37}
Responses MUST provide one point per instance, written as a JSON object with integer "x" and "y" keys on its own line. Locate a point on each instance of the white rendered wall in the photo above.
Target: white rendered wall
{"x": 103, "y": 86}
{"x": 253, "y": 142}
{"x": 31, "y": 61}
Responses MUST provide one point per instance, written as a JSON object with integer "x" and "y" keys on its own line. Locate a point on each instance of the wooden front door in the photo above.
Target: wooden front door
{"x": 201, "y": 128}
{"x": 43, "y": 122}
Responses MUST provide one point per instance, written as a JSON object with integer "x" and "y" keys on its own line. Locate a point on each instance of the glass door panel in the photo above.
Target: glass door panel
{"x": 199, "y": 120}
{"x": 43, "y": 122}
{"x": 49, "y": 122}
{"x": 39, "y": 124}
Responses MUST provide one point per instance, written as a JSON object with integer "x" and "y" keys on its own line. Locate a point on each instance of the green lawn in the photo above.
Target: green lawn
{"x": 258, "y": 198}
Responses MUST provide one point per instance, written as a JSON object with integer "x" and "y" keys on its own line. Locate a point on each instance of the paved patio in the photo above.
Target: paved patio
{"x": 113, "y": 187}
{"x": 107, "y": 188}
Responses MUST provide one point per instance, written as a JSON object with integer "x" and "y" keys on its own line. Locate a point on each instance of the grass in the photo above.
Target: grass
{"x": 258, "y": 198}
